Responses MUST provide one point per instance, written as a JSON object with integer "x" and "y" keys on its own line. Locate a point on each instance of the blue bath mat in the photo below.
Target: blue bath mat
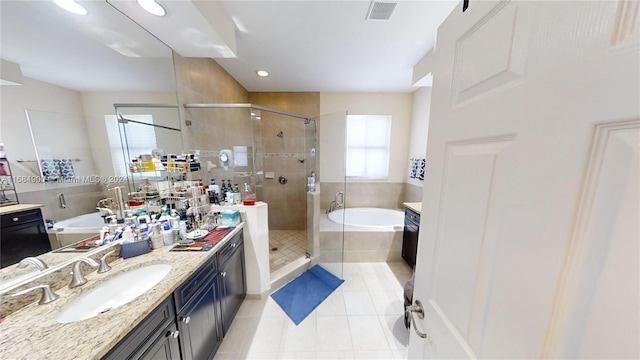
{"x": 302, "y": 295}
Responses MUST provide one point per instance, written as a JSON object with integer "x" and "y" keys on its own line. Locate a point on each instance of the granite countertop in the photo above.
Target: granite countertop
{"x": 4, "y": 210}
{"x": 415, "y": 206}
{"x": 33, "y": 332}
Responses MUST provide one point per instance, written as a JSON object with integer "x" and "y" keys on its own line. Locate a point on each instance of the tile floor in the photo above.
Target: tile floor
{"x": 362, "y": 319}
{"x": 291, "y": 244}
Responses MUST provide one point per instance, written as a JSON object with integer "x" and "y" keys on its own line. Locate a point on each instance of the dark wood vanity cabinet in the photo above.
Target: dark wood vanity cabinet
{"x": 154, "y": 333}
{"x": 410, "y": 236}
{"x": 23, "y": 234}
{"x": 199, "y": 321}
{"x": 233, "y": 286}
{"x": 191, "y": 322}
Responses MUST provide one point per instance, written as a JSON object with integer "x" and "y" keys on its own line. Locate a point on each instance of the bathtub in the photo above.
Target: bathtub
{"x": 92, "y": 222}
{"x": 368, "y": 217}
{"x": 368, "y": 235}
{"x": 78, "y": 228}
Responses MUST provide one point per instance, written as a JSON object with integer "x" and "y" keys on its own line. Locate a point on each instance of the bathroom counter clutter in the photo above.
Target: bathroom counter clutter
{"x": 34, "y": 333}
{"x": 10, "y": 209}
{"x": 415, "y": 206}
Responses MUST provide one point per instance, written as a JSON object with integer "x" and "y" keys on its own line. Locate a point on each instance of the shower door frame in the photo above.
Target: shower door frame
{"x": 311, "y": 249}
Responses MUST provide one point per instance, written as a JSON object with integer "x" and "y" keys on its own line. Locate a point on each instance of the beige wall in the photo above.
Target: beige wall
{"x": 281, "y": 155}
{"x": 385, "y": 193}
{"x": 412, "y": 190}
{"x": 14, "y": 130}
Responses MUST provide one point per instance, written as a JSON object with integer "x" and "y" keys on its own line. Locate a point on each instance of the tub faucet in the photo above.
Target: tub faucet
{"x": 336, "y": 204}
{"x": 41, "y": 265}
{"x": 339, "y": 203}
{"x": 332, "y": 207}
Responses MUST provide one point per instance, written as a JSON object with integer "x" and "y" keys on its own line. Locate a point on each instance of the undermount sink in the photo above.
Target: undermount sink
{"x": 112, "y": 293}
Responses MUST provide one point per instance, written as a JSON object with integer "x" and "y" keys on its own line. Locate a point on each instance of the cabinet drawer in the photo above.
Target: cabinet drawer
{"x": 187, "y": 290}
{"x": 20, "y": 217}
{"x": 227, "y": 250}
{"x": 144, "y": 333}
{"x": 412, "y": 216}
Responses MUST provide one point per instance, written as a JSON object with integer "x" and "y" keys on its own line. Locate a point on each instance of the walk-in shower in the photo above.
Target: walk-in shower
{"x": 274, "y": 152}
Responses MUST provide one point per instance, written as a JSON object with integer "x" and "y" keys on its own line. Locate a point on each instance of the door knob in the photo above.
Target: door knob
{"x": 411, "y": 312}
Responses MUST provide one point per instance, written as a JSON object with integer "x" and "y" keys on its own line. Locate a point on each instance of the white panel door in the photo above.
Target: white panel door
{"x": 529, "y": 241}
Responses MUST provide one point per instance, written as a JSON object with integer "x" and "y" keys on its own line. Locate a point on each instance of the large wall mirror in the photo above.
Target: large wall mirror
{"x": 74, "y": 68}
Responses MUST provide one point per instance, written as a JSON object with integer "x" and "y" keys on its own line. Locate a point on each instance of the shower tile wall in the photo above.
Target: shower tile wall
{"x": 203, "y": 80}
{"x": 365, "y": 194}
{"x": 282, "y": 155}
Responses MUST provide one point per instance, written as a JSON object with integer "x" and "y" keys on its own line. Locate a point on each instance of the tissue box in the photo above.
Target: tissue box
{"x": 230, "y": 217}
{"x": 135, "y": 248}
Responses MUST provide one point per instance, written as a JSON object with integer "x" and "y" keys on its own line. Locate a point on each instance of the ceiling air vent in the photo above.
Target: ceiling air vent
{"x": 381, "y": 10}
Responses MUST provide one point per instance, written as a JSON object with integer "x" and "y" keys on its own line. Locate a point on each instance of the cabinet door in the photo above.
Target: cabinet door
{"x": 166, "y": 347}
{"x": 23, "y": 235}
{"x": 233, "y": 285}
{"x": 200, "y": 332}
{"x": 410, "y": 243}
{"x": 146, "y": 334}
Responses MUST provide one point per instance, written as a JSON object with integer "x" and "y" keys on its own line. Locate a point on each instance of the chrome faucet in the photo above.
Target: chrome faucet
{"x": 336, "y": 204}
{"x": 340, "y": 203}
{"x": 47, "y": 294}
{"x": 41, "y": 265}
{"x": 77, "y": 278}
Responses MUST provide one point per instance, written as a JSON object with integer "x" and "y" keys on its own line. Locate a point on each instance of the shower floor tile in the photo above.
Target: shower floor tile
{"x": 291, "y": 244}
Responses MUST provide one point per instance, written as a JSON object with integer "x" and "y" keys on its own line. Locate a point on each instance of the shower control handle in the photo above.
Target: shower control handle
{"x": 282, "y": 180}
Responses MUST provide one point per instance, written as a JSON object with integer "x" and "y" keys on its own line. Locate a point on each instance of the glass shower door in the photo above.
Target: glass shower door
{"x": 327, "y": 246}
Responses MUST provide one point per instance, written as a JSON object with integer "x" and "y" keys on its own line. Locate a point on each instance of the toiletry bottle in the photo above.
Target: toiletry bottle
{"x": 311, "y": 182}
{"x": 183, "y": 230}
{"x": 214, "y": 192}
{"x": 127, "y": 235}
{"x": 167, "y": 235}
{"x": 174, "y": 219}
{"x": 113, "y": 226}
{"x": 246, "y": 191}
{"x": 156, "y": 234}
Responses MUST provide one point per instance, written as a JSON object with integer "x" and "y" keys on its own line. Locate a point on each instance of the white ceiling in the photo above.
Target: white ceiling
{"x": 305, "y": 45}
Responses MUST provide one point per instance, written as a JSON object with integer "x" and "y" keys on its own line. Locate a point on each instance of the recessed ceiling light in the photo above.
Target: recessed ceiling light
{"x": 262, "y": 73}
{"x": 71, "y": 6}
{"x": 152, "y": 7}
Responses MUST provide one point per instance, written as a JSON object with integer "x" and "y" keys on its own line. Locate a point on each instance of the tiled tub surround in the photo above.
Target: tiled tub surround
{"x": 361, "y": 244}
{"x": 375, "y": 194}
{"x": 33, "y": 332}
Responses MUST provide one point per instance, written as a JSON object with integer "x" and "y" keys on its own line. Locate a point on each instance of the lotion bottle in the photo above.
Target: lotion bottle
{"x": 167, "y": 235}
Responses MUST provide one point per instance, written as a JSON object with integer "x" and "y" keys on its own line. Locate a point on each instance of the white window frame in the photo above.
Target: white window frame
{"x": 368, "y": 145}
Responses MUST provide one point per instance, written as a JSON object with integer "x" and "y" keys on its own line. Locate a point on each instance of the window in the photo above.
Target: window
{"x": 368, "y": 139}
{"x": 141, "y": 139}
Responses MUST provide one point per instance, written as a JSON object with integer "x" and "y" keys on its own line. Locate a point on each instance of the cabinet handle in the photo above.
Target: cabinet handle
{"x": 224, "y": 273}
{"x": 173, "y": 334}
{"x": 186, "y": 320}
{"x": 15, "y": 219}
{"x": 233, "y": 245}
